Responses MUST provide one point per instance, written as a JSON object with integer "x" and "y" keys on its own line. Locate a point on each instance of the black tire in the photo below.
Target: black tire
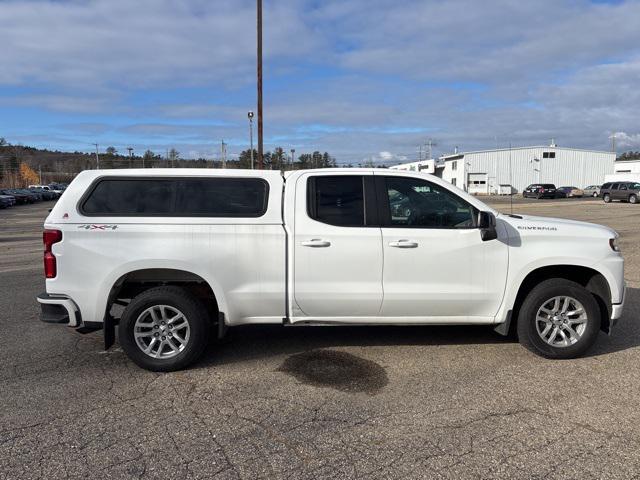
{"x": 606, "y": 197}
{"x": 195, "y": 314}
{"x": 633, "y": 198}
{"x": 527, "y": 331}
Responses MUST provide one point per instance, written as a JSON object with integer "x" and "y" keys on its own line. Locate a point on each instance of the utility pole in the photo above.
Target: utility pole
{"x": 250, "y": 115}
{"x": 293, "y": 151}
{"x": 430, "y": 144}
{"x": 130, "y": 155}
{"x": 259, "y": 72}
{"x": 223, "y": 153}
{"x": 97, "y": 157}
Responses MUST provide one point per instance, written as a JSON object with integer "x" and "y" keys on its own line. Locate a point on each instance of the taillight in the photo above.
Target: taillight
{"x": 49, "y": 237}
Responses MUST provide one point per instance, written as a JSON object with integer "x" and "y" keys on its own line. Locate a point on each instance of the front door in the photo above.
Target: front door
{"x": 436, "y": 265}
{"x": 338, "y": 248}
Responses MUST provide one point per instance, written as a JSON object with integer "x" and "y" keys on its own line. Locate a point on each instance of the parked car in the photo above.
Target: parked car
{"x": 7, "y": 201}
{"x": 58, "y": 189}
{"x": 569, "y": 192}
{"x": 591, "y": 190}
{"x": 46, "y": 193}
{"x": 34, "y": 197}
{"x": 540, "y": 190}
{"x": 211, "y": 249}
{"x": 623, "y": 191}
{"x": 21, "y": 198}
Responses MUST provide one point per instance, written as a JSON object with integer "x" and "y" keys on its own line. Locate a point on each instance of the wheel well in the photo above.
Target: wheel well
{"x": 134, "y": 283}
{"x": 589, "y": 278}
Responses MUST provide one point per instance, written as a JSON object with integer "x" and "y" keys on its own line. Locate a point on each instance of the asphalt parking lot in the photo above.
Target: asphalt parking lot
{"x": 317, "y": 402}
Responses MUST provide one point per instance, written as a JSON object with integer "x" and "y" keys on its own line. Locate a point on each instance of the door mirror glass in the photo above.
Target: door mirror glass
{"x": 487, "y": 226}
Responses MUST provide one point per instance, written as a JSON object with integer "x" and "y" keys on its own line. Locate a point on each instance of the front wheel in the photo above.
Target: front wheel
{"x": 606, "y": 198}
{"x": 164, "y": 329}
{"x": 558, "y": 319}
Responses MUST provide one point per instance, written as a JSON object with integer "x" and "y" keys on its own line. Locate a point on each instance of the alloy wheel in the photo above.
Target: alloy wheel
{"x": 161, "y": 331}
{"x": 561, "y": 321}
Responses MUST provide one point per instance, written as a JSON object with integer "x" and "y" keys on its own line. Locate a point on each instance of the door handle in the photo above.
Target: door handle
{"x": 316, "y": 242}
{"x": 404, "y": 244}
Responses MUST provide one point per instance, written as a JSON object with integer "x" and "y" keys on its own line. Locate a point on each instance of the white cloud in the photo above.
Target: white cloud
{"x": 624, "y": 139}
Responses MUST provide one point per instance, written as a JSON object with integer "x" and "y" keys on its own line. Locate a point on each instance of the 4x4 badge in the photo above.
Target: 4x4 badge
{"x": 92, "y": 226}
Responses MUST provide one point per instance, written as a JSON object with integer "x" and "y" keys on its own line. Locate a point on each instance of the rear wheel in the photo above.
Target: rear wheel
{"x": 558, "y": 319}
{"x": 595, "y": 194}
{"x": 606, "y": 197}
{"x": 164, "y": 329}
{"x": 633, "y": 198}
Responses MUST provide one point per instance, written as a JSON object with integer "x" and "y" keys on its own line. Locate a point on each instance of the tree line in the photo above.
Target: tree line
{"x": 55, "y": 166}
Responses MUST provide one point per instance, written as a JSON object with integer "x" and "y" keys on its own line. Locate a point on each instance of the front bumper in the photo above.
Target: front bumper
{"x": 59, "y": 309}
{"x": 617, "y": 308}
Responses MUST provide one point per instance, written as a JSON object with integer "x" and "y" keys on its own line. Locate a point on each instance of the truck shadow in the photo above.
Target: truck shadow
{"x": 263, "y": 341}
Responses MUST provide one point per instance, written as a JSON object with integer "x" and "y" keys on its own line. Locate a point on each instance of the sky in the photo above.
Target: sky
{"x": 361, "y": 79}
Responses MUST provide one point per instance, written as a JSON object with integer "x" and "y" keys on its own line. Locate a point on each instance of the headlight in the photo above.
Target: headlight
{"x": 613, "y": 243}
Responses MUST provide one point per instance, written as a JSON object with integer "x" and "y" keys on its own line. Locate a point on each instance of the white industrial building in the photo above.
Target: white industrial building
{"x": 625, "y": 171}
{"x": 425, "y": 166}
{"x": 505, "y": 171}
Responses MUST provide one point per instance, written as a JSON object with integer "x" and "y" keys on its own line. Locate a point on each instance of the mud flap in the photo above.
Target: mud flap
{"x": 503, "y": 328}
{"x": 109, "y": 331}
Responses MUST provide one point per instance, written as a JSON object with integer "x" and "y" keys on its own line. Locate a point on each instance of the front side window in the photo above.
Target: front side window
{"x": 417, "y": 203}
{"x": 336, "y": 200}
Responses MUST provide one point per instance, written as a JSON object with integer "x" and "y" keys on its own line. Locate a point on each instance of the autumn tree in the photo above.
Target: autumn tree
{"x": 28, "y": 174}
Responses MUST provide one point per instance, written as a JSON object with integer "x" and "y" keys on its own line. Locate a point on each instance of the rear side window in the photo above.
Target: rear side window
{"x": 120, "y": 197}
{"x": 177, "y": 197}
{"x": 605, "y": 186}
{"x": 336, "y": 200}
{"x": 222, "y": 197}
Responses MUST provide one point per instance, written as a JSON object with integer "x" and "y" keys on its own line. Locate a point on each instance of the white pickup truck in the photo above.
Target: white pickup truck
{"x": 173, "y": 255}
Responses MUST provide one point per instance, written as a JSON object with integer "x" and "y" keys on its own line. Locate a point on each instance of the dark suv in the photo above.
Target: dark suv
{"x": 623, "y": 191}
{"x": 540, "y": 190}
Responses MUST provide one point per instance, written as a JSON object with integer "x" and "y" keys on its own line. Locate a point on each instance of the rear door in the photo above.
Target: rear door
{"x": 337, "y": 269}
{"x": 623, "y": 191}
{"x": 436, "y": 266}
{"x": 615, "y": 191}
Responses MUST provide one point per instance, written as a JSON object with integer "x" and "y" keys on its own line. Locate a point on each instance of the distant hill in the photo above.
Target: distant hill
{"x": 55, "y": 166}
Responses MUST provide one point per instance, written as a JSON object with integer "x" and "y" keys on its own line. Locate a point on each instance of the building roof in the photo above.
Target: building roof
{"x": 454, "y": 156}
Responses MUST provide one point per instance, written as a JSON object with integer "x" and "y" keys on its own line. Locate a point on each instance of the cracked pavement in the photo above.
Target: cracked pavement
{"x": 316, "y": 402}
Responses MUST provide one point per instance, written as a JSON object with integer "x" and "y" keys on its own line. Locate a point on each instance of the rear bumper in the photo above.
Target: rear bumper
{"x": 59, "y": 309}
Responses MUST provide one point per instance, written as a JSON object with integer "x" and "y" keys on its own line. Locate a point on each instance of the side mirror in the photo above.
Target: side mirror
{"x": 487, "y": 226}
